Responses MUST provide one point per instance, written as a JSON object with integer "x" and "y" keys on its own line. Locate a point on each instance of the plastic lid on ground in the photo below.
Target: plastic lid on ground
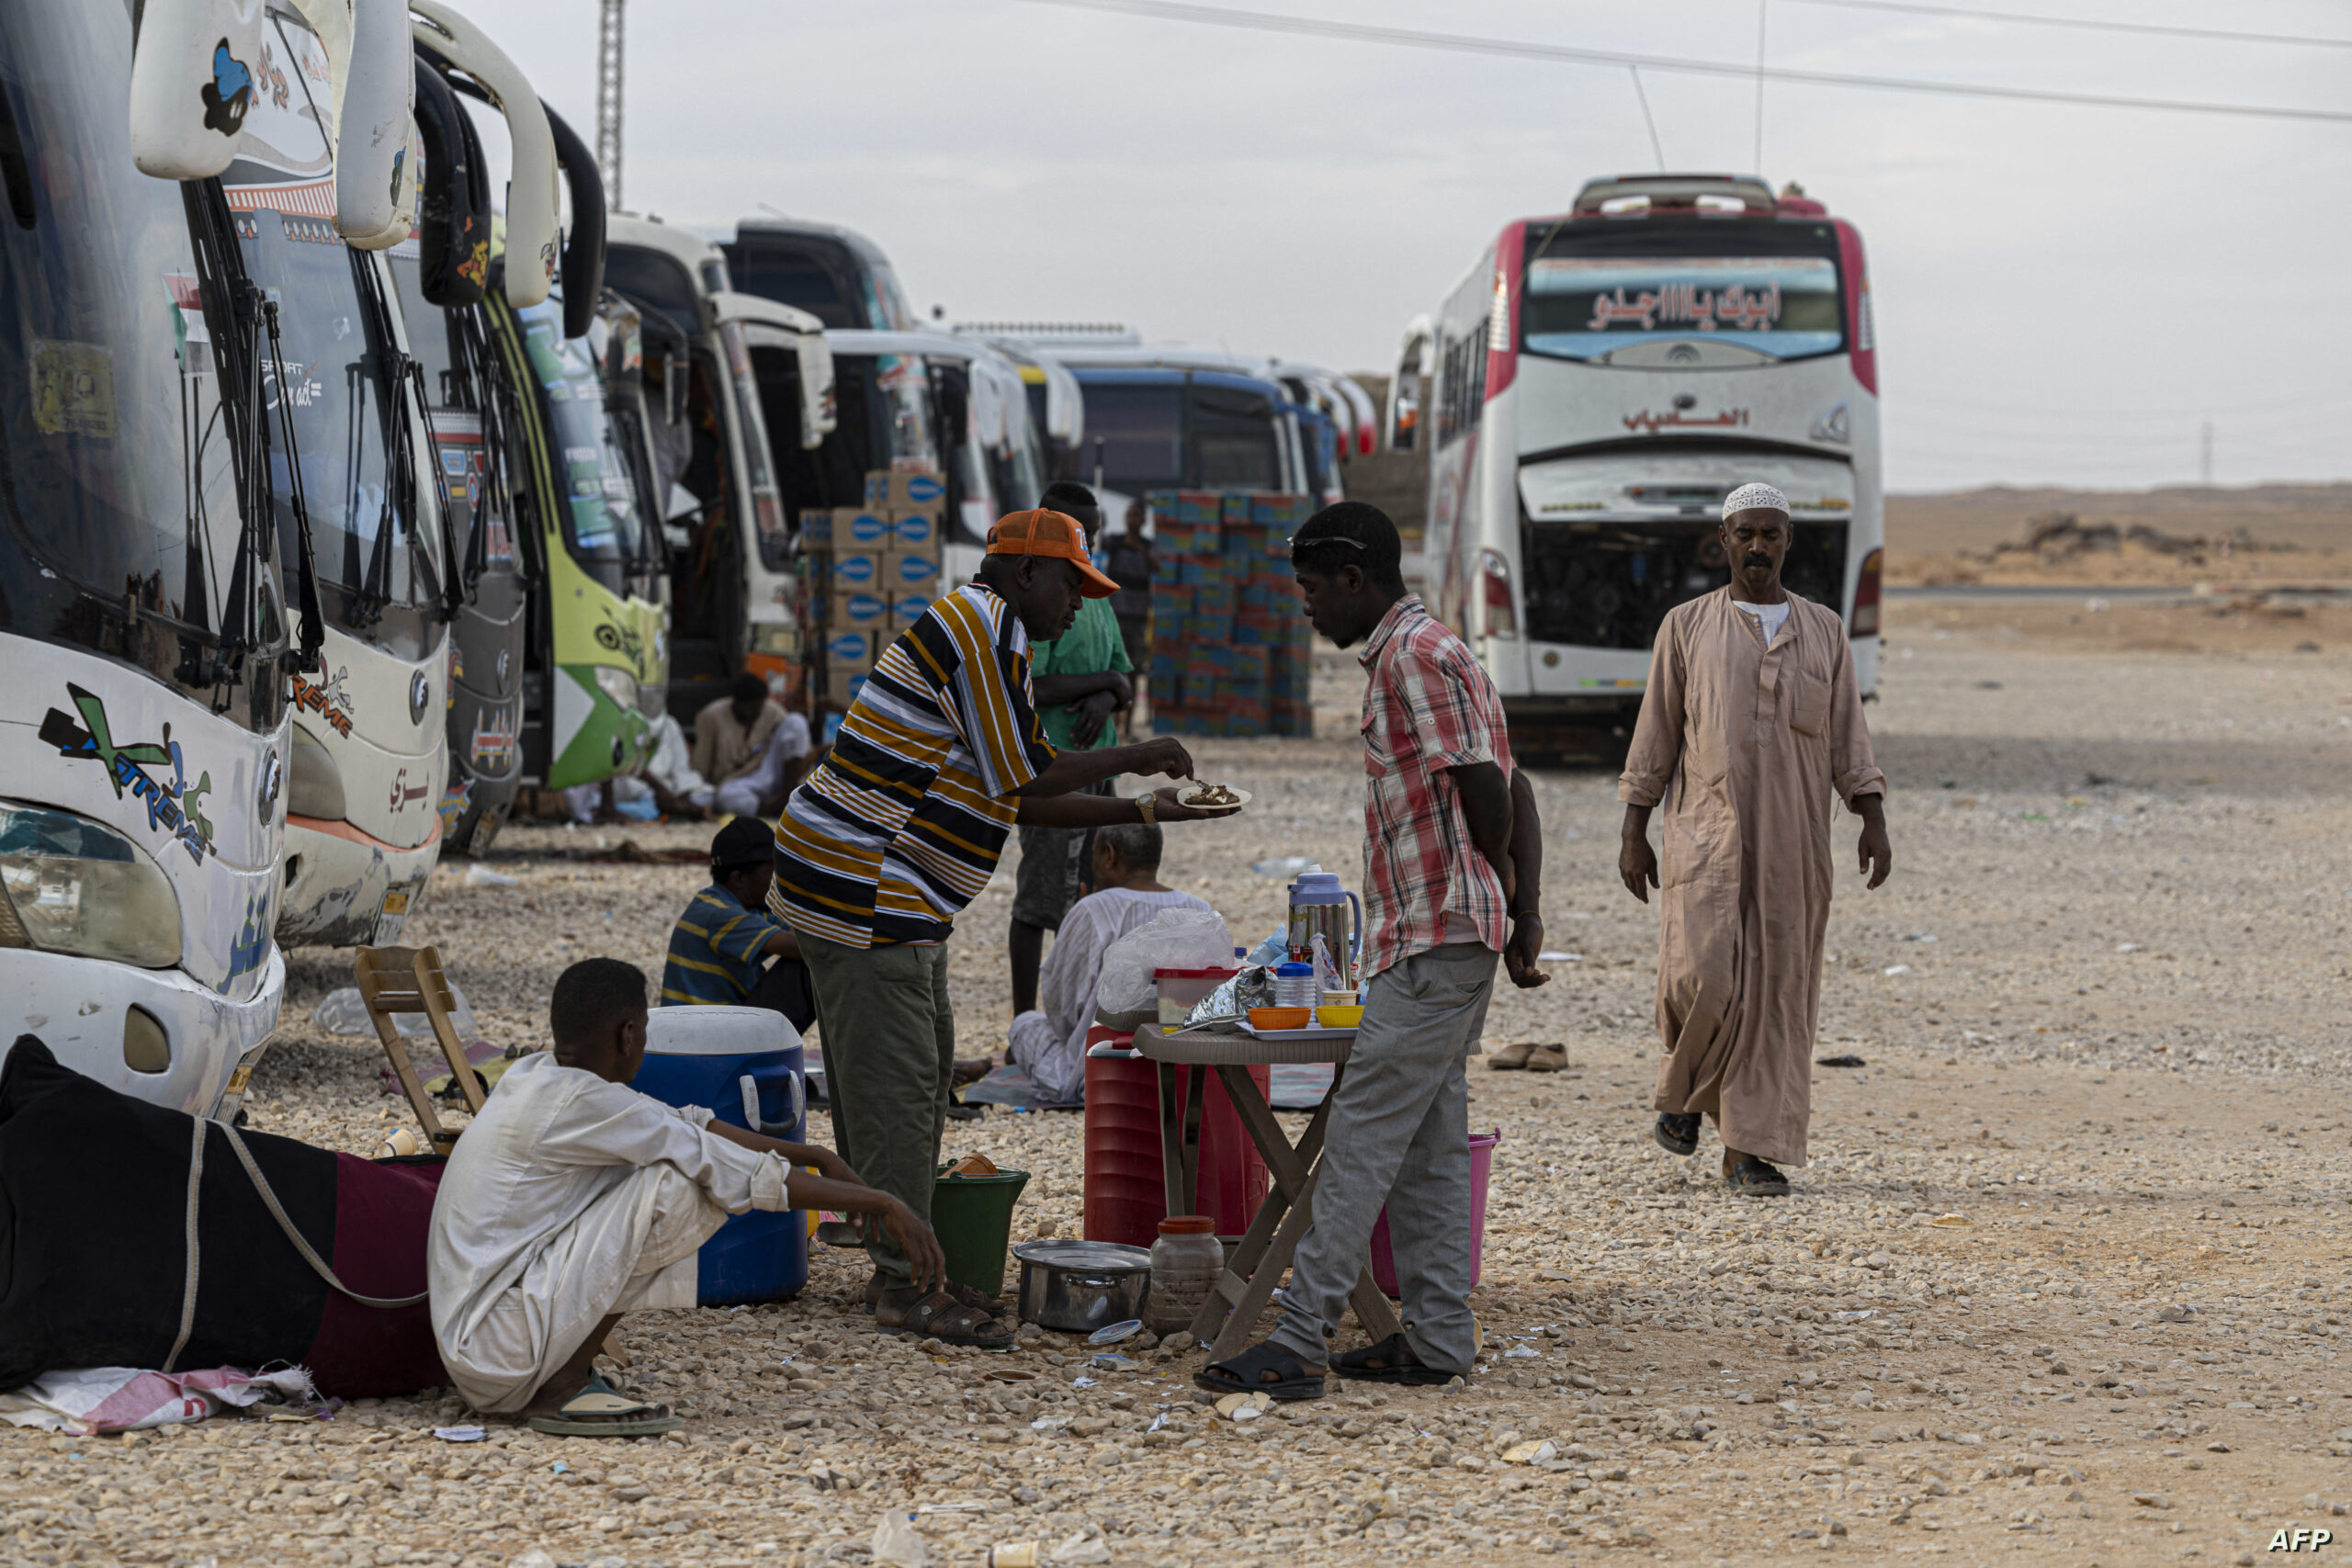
{"x": 718, "y": 1032}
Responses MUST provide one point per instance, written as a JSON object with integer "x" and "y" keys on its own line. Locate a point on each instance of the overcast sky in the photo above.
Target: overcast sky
{"x": 2064, "y": 294}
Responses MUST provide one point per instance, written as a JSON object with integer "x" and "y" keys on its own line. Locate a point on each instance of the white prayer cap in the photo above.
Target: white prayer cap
{"x": 1755, "y": 497}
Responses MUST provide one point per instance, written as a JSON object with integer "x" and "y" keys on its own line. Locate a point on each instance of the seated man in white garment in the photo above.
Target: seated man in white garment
{"x": 1049, "y": 1044}
{"x": 572, "y": 1199}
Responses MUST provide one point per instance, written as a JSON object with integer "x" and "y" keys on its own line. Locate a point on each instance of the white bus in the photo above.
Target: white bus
{"x": 1597, "y": 383}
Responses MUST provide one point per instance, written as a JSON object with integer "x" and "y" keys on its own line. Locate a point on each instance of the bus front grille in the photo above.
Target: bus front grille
{"x": 1601, "y": 584}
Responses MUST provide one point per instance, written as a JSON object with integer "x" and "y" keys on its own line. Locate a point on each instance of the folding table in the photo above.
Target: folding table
{"x": 1256, "y": 1268}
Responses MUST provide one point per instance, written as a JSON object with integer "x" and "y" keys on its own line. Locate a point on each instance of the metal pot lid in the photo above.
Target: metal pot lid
{"x": 1090, "y": 1255}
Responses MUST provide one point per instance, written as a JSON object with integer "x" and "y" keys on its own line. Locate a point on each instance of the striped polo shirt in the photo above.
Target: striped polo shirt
{"x": 902, "y": 823}
{"x": 716, "y": 951}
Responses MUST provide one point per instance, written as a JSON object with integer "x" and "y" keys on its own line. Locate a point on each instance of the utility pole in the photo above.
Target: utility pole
{"x": 608, "y": 98}
{"x": 2205, "y": 456}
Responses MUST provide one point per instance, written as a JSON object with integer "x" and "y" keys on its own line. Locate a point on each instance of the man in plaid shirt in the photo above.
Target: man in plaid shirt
{"x": 1453, "y": 860}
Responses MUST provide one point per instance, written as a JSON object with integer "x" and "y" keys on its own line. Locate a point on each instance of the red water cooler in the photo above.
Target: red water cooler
{"x": 1126, "y": 1184}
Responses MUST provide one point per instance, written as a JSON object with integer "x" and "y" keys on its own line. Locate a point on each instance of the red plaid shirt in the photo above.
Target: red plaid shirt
{"x": 1428, "y": 707}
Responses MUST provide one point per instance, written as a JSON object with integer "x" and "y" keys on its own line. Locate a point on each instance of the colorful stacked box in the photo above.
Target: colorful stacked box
{"x": 1232, "y": 649}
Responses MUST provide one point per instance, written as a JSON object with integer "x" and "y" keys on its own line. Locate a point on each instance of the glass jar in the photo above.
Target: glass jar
{"x": 1186, "y": 1260}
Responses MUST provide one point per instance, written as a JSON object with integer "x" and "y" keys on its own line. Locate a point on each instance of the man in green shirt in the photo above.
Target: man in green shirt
{"x": 1081, "y": 679}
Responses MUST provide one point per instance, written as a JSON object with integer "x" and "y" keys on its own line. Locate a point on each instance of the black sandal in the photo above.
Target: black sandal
{"x": 1391, "y": 1360}
{"x": 1752, "y": 1177}
{"x": 1677, "y": 1131}
{"x": 1242, "y": 1375}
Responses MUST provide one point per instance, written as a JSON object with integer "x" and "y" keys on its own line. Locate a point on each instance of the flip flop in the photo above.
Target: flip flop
{"x": 1552, "y": 1059}
{"x": 602, "y": 1411}
{"x": 1510, "y": 1059}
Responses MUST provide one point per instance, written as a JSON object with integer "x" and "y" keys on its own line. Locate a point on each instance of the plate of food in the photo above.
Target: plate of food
{"x": 1210, "y": 796}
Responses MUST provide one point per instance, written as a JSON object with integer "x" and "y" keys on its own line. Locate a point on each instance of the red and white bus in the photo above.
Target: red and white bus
{"x": 1597, "y": 383}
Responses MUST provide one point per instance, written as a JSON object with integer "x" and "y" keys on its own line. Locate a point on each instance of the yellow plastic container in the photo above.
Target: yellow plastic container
{"x": 1339, "y": 1016}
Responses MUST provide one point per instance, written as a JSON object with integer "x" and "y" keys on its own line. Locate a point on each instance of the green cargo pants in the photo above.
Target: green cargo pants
{"x": 889, "y": 1040}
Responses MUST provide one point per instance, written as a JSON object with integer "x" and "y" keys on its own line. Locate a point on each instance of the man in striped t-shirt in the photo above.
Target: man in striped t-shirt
{"x": 900, "y": 827}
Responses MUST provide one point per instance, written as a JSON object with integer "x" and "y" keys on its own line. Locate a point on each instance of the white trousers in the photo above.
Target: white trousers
{"x": 632, "y": 1250}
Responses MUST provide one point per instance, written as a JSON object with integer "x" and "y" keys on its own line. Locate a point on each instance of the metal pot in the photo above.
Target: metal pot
{"x": 1077, "y": 1287}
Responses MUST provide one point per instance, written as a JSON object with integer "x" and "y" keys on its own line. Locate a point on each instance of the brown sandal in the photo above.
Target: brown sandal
{"x": 969, "y": 1295}
{"x": 938, "y": 1315}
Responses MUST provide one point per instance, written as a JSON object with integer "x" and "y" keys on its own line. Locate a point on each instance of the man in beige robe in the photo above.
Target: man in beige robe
{"x": 1751, "y": 722}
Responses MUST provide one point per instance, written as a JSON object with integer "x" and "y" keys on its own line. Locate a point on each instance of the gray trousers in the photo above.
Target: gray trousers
{"x": 1399, "y": 1134}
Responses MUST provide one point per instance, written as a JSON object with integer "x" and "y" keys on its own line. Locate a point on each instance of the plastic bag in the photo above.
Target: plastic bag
{"x": 344, "y": 1013}
{"x": 896, "y": 1542}
{"x": 1127, "y": 995}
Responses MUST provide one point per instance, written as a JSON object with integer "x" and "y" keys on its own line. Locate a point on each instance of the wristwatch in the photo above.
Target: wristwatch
{"x": 1150, "y": 808}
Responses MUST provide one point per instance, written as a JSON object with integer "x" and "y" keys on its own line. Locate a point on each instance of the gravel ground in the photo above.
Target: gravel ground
{"x": 2066, "y": 1278}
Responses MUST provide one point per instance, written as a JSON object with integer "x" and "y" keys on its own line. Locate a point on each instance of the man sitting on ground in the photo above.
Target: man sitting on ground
{"x": 1050, "y": 1044}
{"x": 572, "y": 1199}
{"x": 727, "y": 934}
{"x": 750, "y": 750}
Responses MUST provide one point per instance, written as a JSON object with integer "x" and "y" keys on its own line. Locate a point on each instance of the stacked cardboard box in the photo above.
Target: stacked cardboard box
{"x": 872, "y": 570}
{"x": 1232, "y": 648}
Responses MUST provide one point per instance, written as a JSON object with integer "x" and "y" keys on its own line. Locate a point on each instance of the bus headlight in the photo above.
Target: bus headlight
{"x": 617, "y": 683}
{"x": 78, "y": 887}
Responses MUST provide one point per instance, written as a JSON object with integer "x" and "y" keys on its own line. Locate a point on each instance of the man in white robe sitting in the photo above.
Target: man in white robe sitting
{"x": 572, "y": 1200}
{"x": 1049, "y": 1044}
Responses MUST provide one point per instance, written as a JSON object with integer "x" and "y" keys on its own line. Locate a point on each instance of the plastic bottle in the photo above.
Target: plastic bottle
{"x": 1185, "y": 1262}
{"x": 1295, "y": 985}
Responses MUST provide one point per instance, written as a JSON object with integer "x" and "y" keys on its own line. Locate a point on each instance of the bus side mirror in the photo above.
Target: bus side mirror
{"x": 819, "y": 415}
{"x": 452, "y": 210}
{"x": 1404, "y": 414}
{"x": 191, "y": 84}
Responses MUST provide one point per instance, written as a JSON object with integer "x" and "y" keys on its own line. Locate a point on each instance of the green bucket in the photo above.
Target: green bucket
{"x": 973, "y": 1217}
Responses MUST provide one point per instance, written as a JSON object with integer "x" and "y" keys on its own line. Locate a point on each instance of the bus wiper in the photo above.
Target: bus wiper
{"x": 313, "y": 633}
{"x": 367, "y": 606}
{"x": 453, "y": 597}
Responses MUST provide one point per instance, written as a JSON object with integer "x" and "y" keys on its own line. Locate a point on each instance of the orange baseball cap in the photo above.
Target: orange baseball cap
{"x": 1039, "y": 531}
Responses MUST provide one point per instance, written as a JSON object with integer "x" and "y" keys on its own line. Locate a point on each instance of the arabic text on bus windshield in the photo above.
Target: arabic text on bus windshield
{"x": 1582, "y": 307}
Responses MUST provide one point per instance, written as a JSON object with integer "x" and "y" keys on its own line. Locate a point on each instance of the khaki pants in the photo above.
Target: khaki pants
{"x": 889, "y": 1040}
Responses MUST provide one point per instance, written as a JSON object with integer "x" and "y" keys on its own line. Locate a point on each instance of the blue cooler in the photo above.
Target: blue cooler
{"x": 744, "y": 1064}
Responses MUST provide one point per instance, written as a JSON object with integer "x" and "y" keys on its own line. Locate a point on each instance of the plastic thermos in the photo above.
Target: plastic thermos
{"x": 1185, "y": 1262}
{"x": 1295, "y": 985}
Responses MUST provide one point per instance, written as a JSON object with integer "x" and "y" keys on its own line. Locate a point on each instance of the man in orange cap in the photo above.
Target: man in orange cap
{"x": 899, "y": 827}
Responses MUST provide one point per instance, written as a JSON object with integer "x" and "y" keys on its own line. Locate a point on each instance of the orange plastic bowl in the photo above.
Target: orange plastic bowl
{"x": 1279, "y": 1017}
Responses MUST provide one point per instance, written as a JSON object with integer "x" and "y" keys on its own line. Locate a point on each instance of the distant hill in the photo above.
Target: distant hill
{"x": 2276, "y": 533}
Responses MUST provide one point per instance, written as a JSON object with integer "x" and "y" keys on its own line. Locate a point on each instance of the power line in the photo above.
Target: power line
{"x": 1464, "y": 44}
{"x": 1657, "y": 149}
{"x": 1909, "y": 8}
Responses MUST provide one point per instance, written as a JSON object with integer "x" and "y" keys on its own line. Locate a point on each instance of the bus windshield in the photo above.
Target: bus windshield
{"x": 1182, "y": 434}
{"x": 602, "y": 526}
{"x": 116, "y": 474}
{"x": 1595, "y": 289}
{"x": 340, "y": 370}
